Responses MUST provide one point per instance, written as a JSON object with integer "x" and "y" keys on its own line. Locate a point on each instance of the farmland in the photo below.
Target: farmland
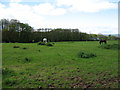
{"x": 38, "y": 66}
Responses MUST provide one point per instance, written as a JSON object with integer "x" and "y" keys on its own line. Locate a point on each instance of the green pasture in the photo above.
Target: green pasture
{"x": 58, "y": 66}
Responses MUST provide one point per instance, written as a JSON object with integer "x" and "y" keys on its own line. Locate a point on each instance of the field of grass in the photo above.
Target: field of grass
{"x": 38, "y": 66}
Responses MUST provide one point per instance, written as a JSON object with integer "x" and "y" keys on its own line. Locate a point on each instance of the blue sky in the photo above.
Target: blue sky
{"x": 91, "y": 16}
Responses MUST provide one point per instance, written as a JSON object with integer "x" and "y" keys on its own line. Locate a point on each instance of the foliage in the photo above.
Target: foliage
{"x": 16, "y": 31}
{"x": 41, "y": 43}
{"x": 110, "y": 46}
{"x": 15, "y": 46}
{"x": 49, "y": 44}
{"x": 27, "y": 60}
{"x": 6, "y": 71}
{"x": 24, "y": 48}
{"x": 10, "y": 82}
{"x": 85, "y": 55}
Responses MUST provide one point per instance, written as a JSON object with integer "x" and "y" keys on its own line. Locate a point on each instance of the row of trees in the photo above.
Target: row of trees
{"x": 15, "y": 31}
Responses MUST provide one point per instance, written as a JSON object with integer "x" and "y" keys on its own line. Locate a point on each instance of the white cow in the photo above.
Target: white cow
{"x": 45, "y": 40}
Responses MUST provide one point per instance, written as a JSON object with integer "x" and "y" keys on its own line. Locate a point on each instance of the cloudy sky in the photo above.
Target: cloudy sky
{"x": 91, "y": 16}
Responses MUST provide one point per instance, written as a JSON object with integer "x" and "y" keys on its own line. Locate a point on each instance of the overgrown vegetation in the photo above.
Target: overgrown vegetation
{"x": 27, "y": 60}
{"x": 8, "y": 72}
{"x": 85, "y": 55}
{"x": 24, "y": 48}
{"x": 10, "y": 82}
{"x": 110, "y": 46}
{"x": 49, "y": 44}
{"x": 43, "y": 43}
{"x": 16, "y": 47}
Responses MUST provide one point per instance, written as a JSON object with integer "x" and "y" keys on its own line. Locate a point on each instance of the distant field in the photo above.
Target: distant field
{"x": 35, "y": 66}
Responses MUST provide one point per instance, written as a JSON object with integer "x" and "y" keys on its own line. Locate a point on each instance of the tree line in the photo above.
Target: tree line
{"x": 15, "y": 31}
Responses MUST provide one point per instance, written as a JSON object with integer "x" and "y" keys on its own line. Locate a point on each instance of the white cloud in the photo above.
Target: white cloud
{"x": 24, "y": 13}
{"x": 86, "y": 5}
{"x": 99, "y": 29}
{"x": 34, "y": 15}
{"x": 2, "y": 6}
{"x": 48, "y": 9}
{"x": 2, "y": 10}
{"x": 15, "y": 1}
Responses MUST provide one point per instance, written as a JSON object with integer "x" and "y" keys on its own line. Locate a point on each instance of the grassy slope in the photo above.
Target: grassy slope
{"x": 59, "y": 66}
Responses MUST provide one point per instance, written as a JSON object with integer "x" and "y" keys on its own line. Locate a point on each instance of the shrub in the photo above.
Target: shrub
{"x": 85, "y": 55}
{"x": 15, "y": 46}
{"x": 24, "y": 48}
{"x": 112, "y": 46}
{"x": 49, "y": 44}
{"x": 41, "y": 43}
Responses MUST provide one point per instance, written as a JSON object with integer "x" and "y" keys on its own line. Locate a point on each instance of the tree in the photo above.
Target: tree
{"x": 25, "y": 33}
{"x": 15, "y": 31}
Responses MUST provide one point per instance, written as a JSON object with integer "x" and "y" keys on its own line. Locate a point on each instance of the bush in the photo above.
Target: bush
{"x": 49, "y": 44}
{"x": 112, "y": 46}
{"x": 15, "y": 46}
{"x": 41, "y": 43}
{"x": 85, "y": 55}
{"x": 24, "y": 48}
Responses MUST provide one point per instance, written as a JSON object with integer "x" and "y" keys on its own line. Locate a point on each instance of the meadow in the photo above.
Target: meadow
{"x": 38, "y": 66}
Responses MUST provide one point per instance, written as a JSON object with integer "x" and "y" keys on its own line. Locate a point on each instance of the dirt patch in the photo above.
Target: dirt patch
{"x": 98, "y": 83}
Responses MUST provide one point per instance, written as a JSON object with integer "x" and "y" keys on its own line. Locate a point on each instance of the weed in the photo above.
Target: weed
{"x": 27, "y": 60}
{"x": 85, "y": 55}
{"x": 24, "y": 48}
{"x": 16, "y": 47}
{"x": 10, "y": 82}
{"x": 41, "y": 43}
{"x": 22, "y": 73}
{"x": 49, "y": 44}
{"x": 6, "y": 71}
{"x": 110, "y": 46}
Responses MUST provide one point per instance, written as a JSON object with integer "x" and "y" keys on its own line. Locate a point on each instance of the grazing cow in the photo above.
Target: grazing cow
{"x": 102, "y": 41}
{"x": 45, "y": 40}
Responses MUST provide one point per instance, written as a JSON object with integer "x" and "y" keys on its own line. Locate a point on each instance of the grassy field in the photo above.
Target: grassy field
{"x": 58, "y": 66}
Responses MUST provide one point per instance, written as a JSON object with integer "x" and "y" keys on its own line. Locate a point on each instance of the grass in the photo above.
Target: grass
{"x": 58, "y": 66}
